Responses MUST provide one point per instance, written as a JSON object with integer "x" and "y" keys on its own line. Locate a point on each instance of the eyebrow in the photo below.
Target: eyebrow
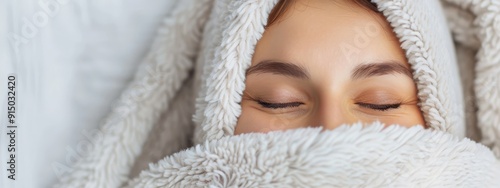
{"x": 280, "y": 68}
{"x": 360, "y": 71}
{"x": 379, "y": 69}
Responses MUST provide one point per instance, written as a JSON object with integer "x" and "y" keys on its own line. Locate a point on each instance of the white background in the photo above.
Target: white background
{"x": 72, "y": 59}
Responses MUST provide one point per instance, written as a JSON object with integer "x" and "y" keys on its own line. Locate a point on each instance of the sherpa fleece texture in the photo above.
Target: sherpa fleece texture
{"x": 204, "y": 47}
{"x": 349, "y": 156}
{"x": 476, "y": 24}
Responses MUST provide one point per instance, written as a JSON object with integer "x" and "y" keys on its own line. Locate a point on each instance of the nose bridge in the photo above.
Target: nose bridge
{"x": 334, "y": 112}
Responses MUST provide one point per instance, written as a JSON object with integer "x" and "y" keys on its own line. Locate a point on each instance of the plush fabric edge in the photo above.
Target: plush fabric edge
{"x": 350, "y": 156}
{"x": 242, "y": 26}
{"x": 423, "y": 33}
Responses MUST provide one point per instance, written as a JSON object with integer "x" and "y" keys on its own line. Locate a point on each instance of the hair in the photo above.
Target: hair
{"x": 282, "y": 6}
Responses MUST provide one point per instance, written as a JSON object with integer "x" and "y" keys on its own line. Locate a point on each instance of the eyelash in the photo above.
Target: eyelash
{"x": 279, "y": 105}
{"x": 379, "y": 107}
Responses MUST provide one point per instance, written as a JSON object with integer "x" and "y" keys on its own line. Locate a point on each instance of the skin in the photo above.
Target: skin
{"x": 329, "y": 40}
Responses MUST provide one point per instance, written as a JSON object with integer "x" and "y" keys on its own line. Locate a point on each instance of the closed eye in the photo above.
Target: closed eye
{"x": 279, "y": 105}
{"x": 380, "y": 107}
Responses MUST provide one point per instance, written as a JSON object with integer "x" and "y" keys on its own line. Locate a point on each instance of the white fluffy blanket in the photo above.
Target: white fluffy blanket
{"x": 152, "y": 118}
{"x": 346, "y": 157}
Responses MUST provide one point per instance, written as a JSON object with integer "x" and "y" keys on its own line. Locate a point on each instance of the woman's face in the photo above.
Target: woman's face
{"x": 327, "y": 63}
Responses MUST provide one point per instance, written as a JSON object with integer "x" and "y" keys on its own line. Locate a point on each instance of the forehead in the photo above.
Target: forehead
{"x": 329, "y": 31}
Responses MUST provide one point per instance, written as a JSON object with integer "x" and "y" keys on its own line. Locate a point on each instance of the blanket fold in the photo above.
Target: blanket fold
{"x": 349, "y": 156}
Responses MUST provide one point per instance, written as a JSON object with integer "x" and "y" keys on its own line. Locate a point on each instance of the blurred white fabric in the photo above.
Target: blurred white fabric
{"x": 72, "y": 59}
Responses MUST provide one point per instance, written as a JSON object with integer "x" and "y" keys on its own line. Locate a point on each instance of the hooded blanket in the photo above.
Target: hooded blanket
{"x": 202, "y": 52}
